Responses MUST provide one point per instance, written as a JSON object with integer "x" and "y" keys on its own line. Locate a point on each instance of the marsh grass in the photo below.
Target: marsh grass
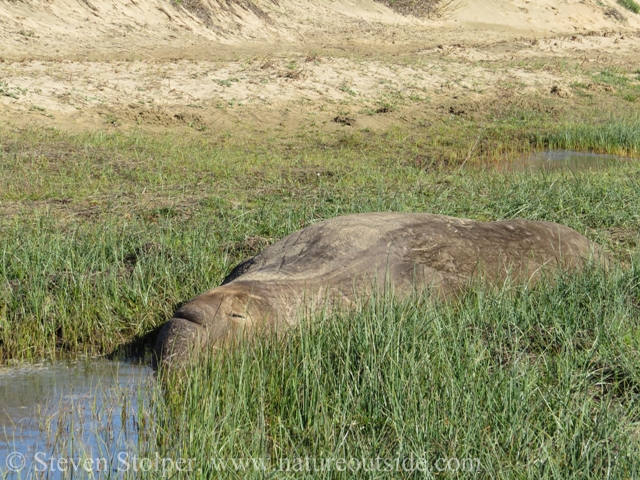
{"x": 104, "y": 236}
{"x": 616, "y": 137}
{"x": 529, "y": 383}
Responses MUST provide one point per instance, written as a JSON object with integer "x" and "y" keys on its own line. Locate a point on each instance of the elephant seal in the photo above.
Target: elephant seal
{"x": 344, "y": 258}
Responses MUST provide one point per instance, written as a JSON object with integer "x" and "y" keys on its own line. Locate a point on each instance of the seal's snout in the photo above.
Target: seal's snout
{"x": 177, "y": 341}
{"x": 194, "y": 324}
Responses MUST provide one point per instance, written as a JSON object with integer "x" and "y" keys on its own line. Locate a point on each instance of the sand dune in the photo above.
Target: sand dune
{"x": 216, "y": 64}
{"x": 142, "y": 29}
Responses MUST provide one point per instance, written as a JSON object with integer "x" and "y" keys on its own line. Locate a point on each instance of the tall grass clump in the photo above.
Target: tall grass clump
{"x": 616, "y": 137}
{"x": 520, "y": 383}
{"x": 87, "y": 288}
{"x": 631, "y": 5}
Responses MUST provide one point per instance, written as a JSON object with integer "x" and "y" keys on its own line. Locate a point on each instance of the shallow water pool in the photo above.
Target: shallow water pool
{"x": 563, "y": 160}
{"x": 53, "y": 414}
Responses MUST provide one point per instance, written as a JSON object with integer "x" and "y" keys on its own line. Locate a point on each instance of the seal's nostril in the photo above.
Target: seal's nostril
{"x": 191, "y": 312}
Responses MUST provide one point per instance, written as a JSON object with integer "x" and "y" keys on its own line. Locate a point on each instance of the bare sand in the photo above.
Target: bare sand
{"x": 327, "y": 64}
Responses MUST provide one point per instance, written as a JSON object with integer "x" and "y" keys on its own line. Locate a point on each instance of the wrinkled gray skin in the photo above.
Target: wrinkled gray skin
{"x": 346, "y": 258}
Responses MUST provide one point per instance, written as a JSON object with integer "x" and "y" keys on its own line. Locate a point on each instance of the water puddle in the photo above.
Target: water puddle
{"x": 53, "y": 414}
{"x": 563, "y": 160}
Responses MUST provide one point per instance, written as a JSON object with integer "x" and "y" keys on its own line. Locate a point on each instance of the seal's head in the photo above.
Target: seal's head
{"x": 207, "y": 319}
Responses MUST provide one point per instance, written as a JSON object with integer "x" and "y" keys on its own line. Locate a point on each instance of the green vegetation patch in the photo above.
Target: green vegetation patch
{"x": 631, "y": 5}
{"x": 8, "y": 91}
{"x": 617, "y": 137}
{"x": 611, "y": 77}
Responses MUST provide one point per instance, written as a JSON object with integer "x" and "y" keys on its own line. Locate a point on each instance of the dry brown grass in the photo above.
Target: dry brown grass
{"x": 423, "y": 8}
{"x": 203, "y": 9}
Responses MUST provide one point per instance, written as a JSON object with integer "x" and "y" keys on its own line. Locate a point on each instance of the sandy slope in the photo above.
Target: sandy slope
{"x": 553, "y": 16}
{"x": 143, "y": 29}
{"x": 90, "y": 63}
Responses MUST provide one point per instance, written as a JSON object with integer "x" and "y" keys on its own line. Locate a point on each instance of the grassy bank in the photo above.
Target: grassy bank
{"x": 103, "y": 236}
{"x": 616, "y": 137}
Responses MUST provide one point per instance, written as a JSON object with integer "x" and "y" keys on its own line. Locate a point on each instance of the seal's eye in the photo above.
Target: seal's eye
{"x": 237, "y": 315}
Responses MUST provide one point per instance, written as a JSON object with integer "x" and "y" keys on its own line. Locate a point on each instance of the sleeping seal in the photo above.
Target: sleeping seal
{"x": 344, "y": 258}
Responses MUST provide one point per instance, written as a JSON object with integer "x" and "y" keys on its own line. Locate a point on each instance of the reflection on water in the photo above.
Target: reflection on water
{"x": 67, "y": 410}
{"x": 563, "y": 159}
